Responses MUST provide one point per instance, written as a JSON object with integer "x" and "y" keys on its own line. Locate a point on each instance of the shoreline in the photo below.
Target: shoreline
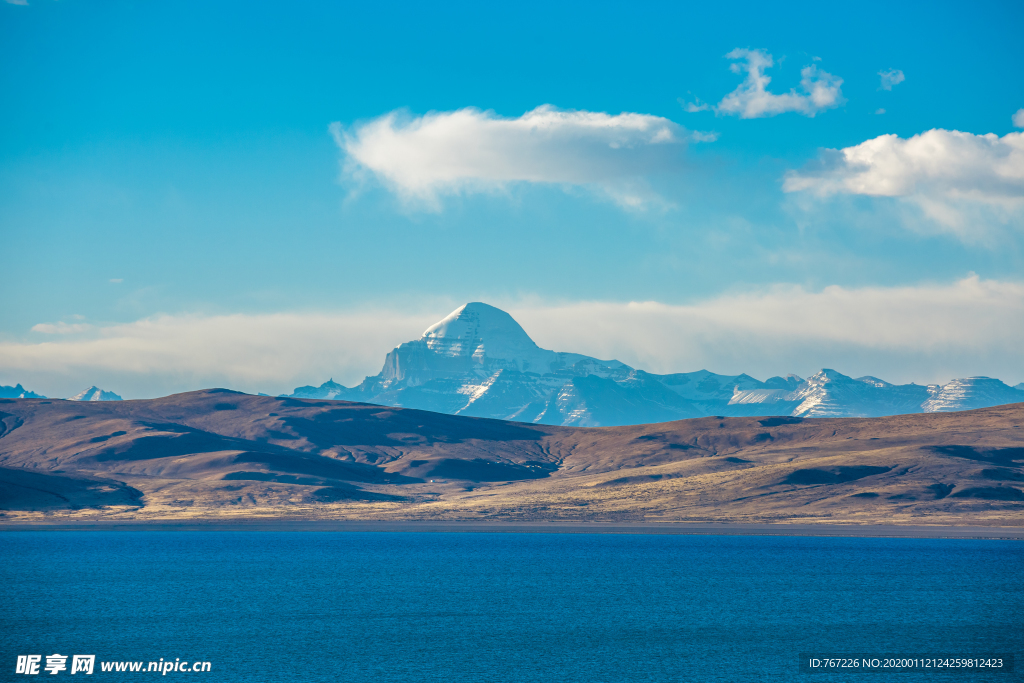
{"x": 656, "y": 528}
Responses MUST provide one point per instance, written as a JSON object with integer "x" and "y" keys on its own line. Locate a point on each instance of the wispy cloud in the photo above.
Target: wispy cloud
{"x": 61, "y": 328}
{"x": 915, "y": 333}
{"x": 890, "y": 77}
{"x": 820, "y": 90}
{"x": 424, "y": 158}
{"x": 17, "y": 2}
{"x": 695, "y": 106}
{"x": 704, "y": 136}
{"x": 1018, "y": 118}
{"x": 963, "y": 183}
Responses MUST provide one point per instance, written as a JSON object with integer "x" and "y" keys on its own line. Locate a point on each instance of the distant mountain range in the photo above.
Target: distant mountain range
{"x": 90, "y": 394}
{"x": 18, "y": 391}
{"x": 480, "y": 362}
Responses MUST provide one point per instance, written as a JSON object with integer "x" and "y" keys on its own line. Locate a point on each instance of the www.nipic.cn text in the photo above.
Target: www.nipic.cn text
{"x": 86, "y": 664}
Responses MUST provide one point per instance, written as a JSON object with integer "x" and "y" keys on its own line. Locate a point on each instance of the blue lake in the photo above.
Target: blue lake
{"x": 333, "y": 606}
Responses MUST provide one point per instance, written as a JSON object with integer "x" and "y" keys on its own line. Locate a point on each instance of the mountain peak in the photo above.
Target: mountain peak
{"x": 477, "y": 320}
{"x": 477, "y": 328}
{"x": 94, "y": 393}
{"x": 828, "y": 375}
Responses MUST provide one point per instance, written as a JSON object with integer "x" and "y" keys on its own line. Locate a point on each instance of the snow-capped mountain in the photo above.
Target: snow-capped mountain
{"x": 479, "y": 361}
{"x": 972, "y": 392}
{"x": 95, "y": 394}
{"x": 18, "y": 391}
{"x": 832, "y": 394}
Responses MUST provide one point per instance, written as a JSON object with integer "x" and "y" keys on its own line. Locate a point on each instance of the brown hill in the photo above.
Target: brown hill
{"x": 221, "y": 454}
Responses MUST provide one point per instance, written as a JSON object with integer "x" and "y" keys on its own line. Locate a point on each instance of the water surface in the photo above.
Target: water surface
{"x": 509, "y": 608}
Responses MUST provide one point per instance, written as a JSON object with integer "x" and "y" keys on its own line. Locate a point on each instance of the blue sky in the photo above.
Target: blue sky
{"x": 171, "y": 166}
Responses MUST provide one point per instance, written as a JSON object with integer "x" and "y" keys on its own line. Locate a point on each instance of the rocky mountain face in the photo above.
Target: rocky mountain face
{"x": 95, "y": 394}
{"x": 480, "y": 362}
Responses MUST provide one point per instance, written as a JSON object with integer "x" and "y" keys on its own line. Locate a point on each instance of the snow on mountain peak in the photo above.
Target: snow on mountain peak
{"x": 479, "y": 327}
{"x": 489, "y": 338}
{"x": 828, "y": 375}
{"x": 95, "y": 394}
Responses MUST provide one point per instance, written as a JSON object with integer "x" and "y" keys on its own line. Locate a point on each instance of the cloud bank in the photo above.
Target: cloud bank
{"x": 173, "y": 353}
{"x": 962, "y": 182}
{"x": 468, "y": 151}
{"x": 752, "y": 100}
{"x": 922, "y": 333}
{"x": 926, "y": 333}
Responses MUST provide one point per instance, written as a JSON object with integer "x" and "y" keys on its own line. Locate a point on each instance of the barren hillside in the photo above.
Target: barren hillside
{"x": 224, "y": 455}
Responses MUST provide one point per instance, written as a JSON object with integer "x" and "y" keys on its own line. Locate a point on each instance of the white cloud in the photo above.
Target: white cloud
{"x": 17, "y": 2}
{"x": 916, "y": 333}
{"x": 751, "y": 99}
{"x": 963, "y": 183}
{"x": 890, "y": 78}
{"x": 116, "y": 280}
{"x": 467, "y": 151}
{"x": 879, "y": 111}
{"x": 1018, "y": 118}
